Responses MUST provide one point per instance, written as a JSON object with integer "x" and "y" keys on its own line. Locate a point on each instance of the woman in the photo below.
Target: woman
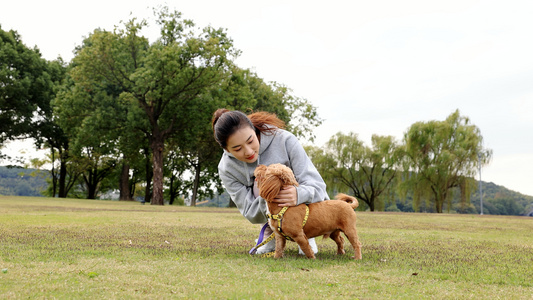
{"x": 260, "y": 139}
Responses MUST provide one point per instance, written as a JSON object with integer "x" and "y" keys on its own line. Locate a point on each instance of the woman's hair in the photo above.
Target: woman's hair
{"x": 225, "y": 122}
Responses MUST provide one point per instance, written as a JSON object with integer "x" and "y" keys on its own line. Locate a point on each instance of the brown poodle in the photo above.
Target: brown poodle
{"x": 326, "y": 218}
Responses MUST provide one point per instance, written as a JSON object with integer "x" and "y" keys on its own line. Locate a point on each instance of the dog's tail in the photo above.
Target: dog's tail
{"x": 348, "y": 199}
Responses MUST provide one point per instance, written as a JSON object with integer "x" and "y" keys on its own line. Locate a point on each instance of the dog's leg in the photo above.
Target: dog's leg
{"x": 280, "y": 245}
{"x": 303, "y": 242}
{"x": 339, "y": 240}
{"x": 351, "y": 234}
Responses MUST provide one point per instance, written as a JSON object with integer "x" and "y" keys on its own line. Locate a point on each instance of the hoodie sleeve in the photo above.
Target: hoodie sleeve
{"x": 252, "y": 208}
{"x": 312, "y": 187}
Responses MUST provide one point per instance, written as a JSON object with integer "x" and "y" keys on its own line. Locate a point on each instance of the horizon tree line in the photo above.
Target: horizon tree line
{"x": 135, "y": 114}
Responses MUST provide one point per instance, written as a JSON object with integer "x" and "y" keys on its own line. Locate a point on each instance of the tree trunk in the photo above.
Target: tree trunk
{"x": 53, "y": 172}
{"x": 439, "y": 200}
{"x": 195, "y": 185}
{"x": 172, "y": 189}
{"x": 91, "y": 183}
{"x": 62, "y": 174}
{"x": 373, "y": 201}
{"x": 440, "y": 197}
{"x": 124, "y": 184}
{"x": 149, "y": 174}
{"x": 131, "y": 187}
{"x": 372, "y": 205}
{"x": 157, "y": 155}
{"x": 91, "y": 193}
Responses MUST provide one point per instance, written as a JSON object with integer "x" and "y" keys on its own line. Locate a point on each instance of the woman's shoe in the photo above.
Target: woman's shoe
{"x": 312, "y": 243}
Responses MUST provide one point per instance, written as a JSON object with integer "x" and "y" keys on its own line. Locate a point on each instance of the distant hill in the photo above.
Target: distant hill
{"x": 498, "y": 200}
{"x": 16, "y": 181}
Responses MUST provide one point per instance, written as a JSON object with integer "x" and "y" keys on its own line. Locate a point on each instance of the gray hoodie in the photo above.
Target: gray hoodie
{"x": 282, "y": 147}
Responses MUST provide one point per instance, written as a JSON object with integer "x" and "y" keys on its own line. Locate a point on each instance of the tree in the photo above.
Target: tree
{"x": 300, "y": 116}
{"x": 87, "y": 114}
{"x": 441, "y": 155}
{"x": 48, "y": 134}
{"x": 96, "y": 168}
{"x": 175, "y": 177}
{"x": 26, "y": 86}
{"x": 29, "y": 84}
{"x": 246, "y": 91}
{"x": 242, "y": 90}
{"x": 200, "y": 155}
{"x": 160, "y": 80}
{"x": 130, "y": 97}
{"x": 346, "y": 163}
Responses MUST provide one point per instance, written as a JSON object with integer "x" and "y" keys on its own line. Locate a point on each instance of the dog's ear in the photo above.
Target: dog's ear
{"x": 284, "y": 173}
{"x": 269, "y": 186}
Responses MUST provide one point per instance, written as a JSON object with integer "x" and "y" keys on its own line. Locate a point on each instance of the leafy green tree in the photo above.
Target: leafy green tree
{"x": 367, "y": 172}
{"x": 96, "y": 168}
{"x": 175, "y": 178}
{"x": 26, "y": 86}
{"x": 47, "y": 133}
{"x": 87, "y": 115}
{"x": 131, "y": 97}
{"x": 199, "y": 154}
{"x": 247, "y": 92}
{"x": 29, "y": 84}
{"x": 243, "y": 90}
{"x": 299, "y": 114}
{"x": 160, "y": 80}
{"x": 441, "y": 155}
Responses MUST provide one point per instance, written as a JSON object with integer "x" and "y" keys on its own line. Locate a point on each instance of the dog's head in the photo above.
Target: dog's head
{"x": 271, "y": 179}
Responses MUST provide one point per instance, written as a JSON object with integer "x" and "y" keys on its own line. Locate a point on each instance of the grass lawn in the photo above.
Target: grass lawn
{"x": 76, "y": 249}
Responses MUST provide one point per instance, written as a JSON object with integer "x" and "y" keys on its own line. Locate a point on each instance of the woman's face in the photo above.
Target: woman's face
{"x": 244, "y": 145}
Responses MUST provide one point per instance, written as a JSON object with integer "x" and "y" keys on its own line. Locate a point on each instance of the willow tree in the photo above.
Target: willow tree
{"x": 442, "y": 155}
{"x": 160, "y": 81}
{"x": 366, "y": 171}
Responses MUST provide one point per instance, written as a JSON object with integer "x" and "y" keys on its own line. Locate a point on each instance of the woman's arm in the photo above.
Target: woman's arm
{"x": 252, "y": 208}
{"x": 312, "y": 187}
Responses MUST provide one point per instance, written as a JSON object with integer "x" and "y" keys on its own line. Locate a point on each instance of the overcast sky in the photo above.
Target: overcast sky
{"x": 370, "y": 67}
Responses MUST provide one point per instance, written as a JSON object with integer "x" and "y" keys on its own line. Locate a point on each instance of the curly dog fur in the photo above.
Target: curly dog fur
{"x": 326, "y": 218}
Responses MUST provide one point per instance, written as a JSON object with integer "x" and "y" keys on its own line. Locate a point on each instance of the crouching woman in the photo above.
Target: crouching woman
{"x": 260, "y": 138}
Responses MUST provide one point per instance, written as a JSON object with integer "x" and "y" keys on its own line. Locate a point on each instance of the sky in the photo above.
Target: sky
{"x": 370, "y": 67}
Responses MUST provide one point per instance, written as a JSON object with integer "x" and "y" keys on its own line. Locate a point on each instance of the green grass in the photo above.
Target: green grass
{"x": 76, "y": 249}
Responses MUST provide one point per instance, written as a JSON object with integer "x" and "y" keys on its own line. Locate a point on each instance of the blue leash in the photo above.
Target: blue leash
{"x": 260, "y": 239}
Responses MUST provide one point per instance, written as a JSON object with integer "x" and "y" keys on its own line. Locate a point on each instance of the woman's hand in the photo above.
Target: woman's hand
{"x": 287, "y": 196}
